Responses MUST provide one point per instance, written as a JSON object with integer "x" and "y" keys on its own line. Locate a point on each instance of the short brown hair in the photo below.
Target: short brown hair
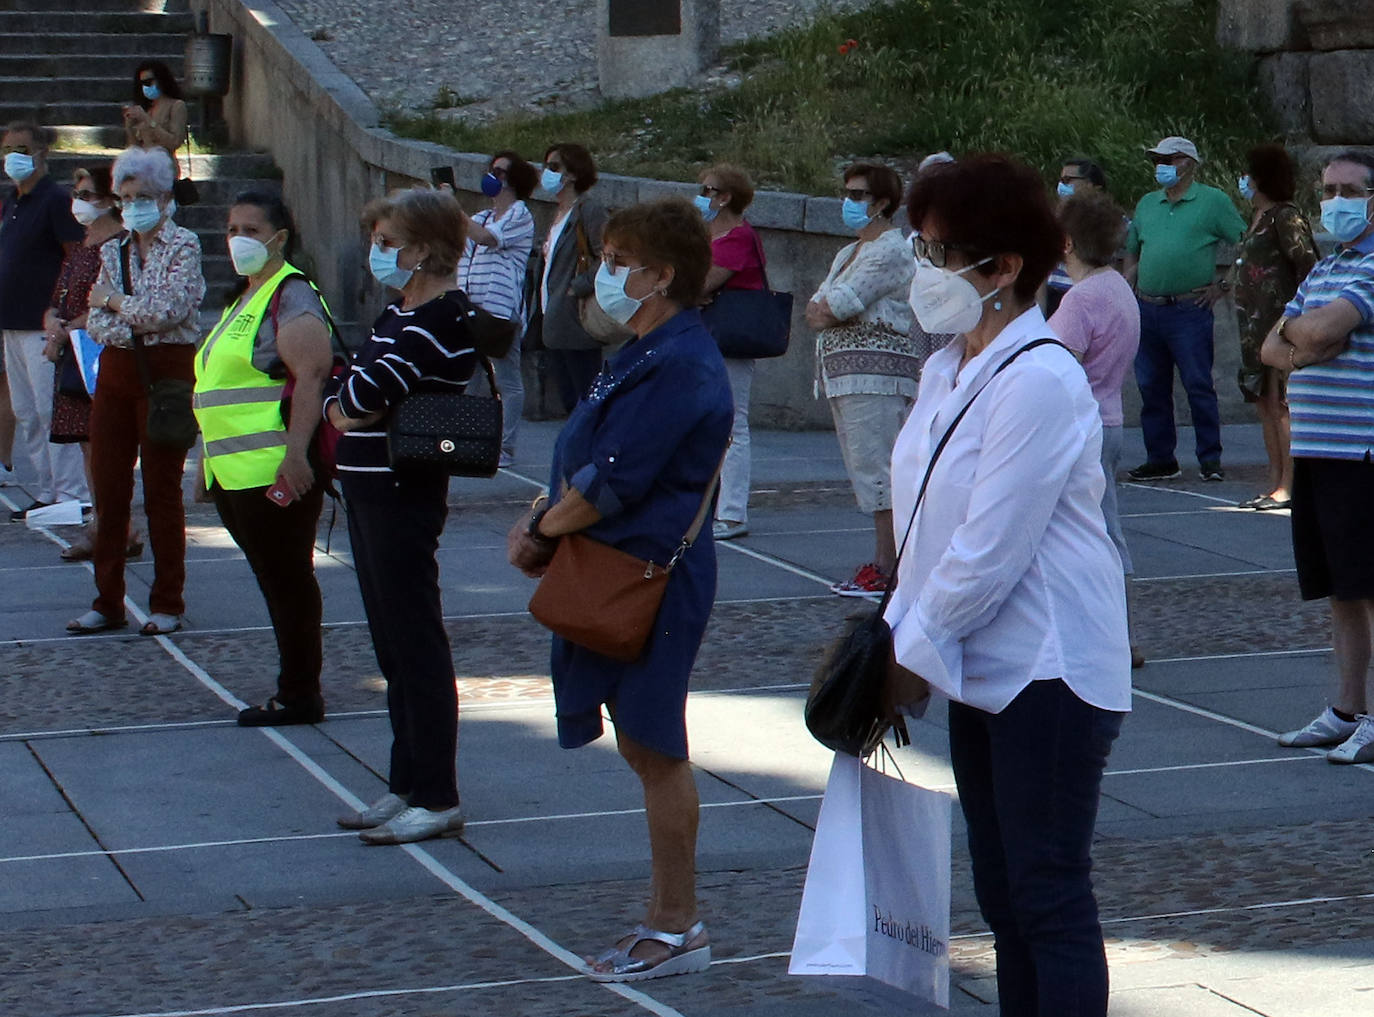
{"x": 1095, "y": 224}
{"x": 884, "y": 184}
{"x": 424, "y": 216}
{"x": 577, "y": 161}
{"x": 734, "y": 182}
{"x": 39, "y": 135}
{"x": 989, "y": 205}
{"x": 666, "y": 234}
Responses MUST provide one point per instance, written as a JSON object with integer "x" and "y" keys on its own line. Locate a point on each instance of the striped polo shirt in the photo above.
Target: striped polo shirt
{"x": 1331, "y": 405}
{"x": 494, "y": 277}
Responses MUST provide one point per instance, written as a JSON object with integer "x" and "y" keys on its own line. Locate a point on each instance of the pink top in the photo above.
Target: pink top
{"x": 1099, "y": 320}
{"x": 740, "y": 252}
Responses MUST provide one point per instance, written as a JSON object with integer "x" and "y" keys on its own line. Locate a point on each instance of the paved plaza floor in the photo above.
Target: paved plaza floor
{"x": 155, "y": 859}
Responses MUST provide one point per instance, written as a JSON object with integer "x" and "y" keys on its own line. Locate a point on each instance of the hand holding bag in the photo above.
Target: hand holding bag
{"x": 845, "y": 709}
{"x": 171, "y": 421}
{"x": 604, "y": 599}
{"x": 750, "y": 324}
{"x": 453, "y": 431}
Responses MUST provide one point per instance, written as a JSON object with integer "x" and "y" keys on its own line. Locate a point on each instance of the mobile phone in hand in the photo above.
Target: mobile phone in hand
{"x": 280, "y": 495}
{"x": 442, "y": 175}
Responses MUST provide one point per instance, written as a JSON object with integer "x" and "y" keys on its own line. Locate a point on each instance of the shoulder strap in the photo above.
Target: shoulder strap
{"x": 335, "y": 338}
{"x": 763, "y": 267}
{"x": 584, "y": 246}
{"x": 940, "y": 447}
{"x": 699, "y": 520}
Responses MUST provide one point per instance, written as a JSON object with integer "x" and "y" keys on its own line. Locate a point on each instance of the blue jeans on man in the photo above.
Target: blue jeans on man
{"x": 1176, "y": 335}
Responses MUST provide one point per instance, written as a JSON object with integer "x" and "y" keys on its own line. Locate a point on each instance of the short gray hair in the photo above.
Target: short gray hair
{"x": 153, "y": 165}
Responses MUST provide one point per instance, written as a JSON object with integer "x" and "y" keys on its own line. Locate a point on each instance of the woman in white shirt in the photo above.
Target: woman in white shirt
{"x": 1009, "y": 598}
{"x": 492, "y": 273}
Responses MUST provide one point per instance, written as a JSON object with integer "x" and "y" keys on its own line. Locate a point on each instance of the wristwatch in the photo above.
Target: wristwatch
{"x": 537, "y": 517}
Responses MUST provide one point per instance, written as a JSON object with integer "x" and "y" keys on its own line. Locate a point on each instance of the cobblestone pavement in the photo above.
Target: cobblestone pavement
{"x": 1243, "y": 853}
{"x": 497, "y": 55}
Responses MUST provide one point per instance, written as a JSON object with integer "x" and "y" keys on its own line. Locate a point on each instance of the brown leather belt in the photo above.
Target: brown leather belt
{"x": 1177, "y": 298}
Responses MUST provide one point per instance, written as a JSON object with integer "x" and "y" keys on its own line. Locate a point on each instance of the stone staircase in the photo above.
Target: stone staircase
{"x": 68, "y": 65}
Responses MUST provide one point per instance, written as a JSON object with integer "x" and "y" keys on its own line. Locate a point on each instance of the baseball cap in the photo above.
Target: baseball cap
{"x": 1176, "y": 146}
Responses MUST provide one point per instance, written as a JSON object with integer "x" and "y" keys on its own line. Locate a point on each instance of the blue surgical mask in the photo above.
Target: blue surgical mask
{"x": 152, "y": 93}
{"x": 141, "y": 216}
{"x": 551, "y": 182}
{"x": 18, "y": 166}
{"x": 703, "y": 205}
{"x": 382, "y": 263}
{"x": 491, "y": 185}
{"x": 1345, "y": 218}
{"x": 1247, "y": 189}
{"x": 1166, "y": 174}
{"x": 1064, "y": 190}
{"x": 855, "y": 214}
{"x": 611, "y": 295}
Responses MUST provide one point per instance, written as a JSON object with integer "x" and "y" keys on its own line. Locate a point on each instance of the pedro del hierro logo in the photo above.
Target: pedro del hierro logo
{"x": 917, "y": 936}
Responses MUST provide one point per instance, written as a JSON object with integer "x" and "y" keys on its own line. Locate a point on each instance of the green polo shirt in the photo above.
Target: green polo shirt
{"x": 1176, "y": 241}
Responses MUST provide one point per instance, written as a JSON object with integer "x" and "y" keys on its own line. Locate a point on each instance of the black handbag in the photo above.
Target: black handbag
{"x": 844, "y": 709}
{"x": 184, "y": 189}
{"x": 452, "y": 431}
{"x": 171, "y": 420}
{"x": 750, "y": 324}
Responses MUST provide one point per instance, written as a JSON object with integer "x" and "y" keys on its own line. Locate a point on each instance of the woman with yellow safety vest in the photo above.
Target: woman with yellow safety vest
{"x": 259, "y": 390}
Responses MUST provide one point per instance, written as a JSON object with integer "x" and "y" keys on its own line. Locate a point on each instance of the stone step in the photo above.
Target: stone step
{"x": 56, "y": 66}
{"x": 96, "y": 114}
{"x": 80, "y": 137}
{"x": 245, "y": 168}
{"x": 73, "y": 21}
{"x": 159, "y": 44}
{"x": 69, "y": 6}
{"x": 40, "y": 90}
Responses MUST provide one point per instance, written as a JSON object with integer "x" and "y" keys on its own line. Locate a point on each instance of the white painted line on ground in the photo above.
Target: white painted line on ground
{"x": 1192, "y": 494}
{"x": 528, "y": 480}
{"x": 426, "y": 860}
{"x": 1310, "y": 651}
{"x": 768, "y": 559}
{"x": 1182, "y": 512}
{"x": 1211, "y": 575}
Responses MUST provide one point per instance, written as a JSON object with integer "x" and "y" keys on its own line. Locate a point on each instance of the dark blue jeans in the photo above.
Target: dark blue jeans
{"x": 1176, "y": 335}
{"x": 1029, "y": 780}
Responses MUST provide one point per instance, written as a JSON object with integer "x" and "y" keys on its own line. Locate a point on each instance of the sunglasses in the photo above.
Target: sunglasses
{"x": 1068, "y": 180}
{"x": 707, "y": 190}
{"x": 857, "y": 194}
{"x": 935, "y": 251}
{"x": 557, "y": 167}
{"x": 147, "y": 81}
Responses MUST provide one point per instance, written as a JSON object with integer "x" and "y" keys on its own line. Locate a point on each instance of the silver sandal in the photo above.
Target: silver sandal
{"x": 680, "y": 960}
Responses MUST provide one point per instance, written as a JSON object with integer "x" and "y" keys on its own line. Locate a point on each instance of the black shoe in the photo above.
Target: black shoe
{"x": 17, "y": 516}
{"x": 275, "y": 713}
{"x": 1211, "y": 471}
{"x": 1156, "y": 471}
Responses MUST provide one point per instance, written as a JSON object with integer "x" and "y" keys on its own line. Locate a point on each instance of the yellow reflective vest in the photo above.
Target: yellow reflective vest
{"x": 237, "y": 405}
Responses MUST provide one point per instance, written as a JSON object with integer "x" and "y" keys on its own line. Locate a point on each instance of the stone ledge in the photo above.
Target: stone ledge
{"x": 1336, "y": 24}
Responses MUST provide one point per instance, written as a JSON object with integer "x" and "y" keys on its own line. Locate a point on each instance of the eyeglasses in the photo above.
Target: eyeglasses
{"x": 1327, "y": 191}
{"x": 499, "y": 172}
{"x": 85, "y": 196}
{"x": 857, "y": 194}
{"x": 127, "y": 200}
{"x": 707, "y": 190}
{"x": 609, "y": 260}
{"x": 557, "y": 167}
{"x": 1068, "y": 180}
{"x": 935, "y": 251}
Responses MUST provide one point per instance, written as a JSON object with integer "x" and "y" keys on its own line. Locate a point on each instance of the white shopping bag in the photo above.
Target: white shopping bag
{"x": 876, "y": 902}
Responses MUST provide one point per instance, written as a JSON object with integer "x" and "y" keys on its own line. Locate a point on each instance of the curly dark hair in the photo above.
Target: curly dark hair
{"x": 989, "y": 205}
{"x": 666, "y": 234}
{"x": 522, "y": 177}
{"x": 1272, "y": 172}
{"x": 1095, "y": 224}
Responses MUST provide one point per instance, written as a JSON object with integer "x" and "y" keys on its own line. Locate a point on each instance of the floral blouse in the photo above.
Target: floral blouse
{"x": 167, "y": 291}
{"x": 1276, "y": 254}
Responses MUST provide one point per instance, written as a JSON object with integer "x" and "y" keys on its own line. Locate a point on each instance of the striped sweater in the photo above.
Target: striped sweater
{"x": 425, "y": 349}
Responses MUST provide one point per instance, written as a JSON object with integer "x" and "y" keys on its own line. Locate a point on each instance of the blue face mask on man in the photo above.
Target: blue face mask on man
{"x": 18, "y": 166}
{"x": 1064, "y": 190}
{"x": 1345, "y": 218}
{"x": 1166, "y": 174}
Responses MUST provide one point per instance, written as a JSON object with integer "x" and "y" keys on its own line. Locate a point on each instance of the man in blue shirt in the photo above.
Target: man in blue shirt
{"x": 36, "y": 227}
{"x": 1325, "y": 340}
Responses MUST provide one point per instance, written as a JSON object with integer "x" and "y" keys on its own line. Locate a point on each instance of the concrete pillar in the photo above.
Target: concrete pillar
{"x": 649, "y": 46}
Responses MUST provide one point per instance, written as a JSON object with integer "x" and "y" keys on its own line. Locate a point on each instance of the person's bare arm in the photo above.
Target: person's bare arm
{"x": 1312, "y": 337}
{"x": 304, "y": 347}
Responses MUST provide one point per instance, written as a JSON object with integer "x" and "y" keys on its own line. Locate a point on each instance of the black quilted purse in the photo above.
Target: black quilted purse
{"x": 845, "y": 710}
{"x": 452, "y": 431}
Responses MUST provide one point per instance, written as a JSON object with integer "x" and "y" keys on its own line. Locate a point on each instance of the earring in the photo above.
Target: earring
{"x": 997, "y": 305}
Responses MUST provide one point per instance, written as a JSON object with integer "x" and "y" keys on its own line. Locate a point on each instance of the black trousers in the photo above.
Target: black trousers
{"x": 279, "y": 543}
{"x": 394, "y": 527}
{"x": 573, "y": 372}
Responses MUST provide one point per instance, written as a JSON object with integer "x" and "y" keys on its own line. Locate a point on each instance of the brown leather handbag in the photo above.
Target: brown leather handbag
{"x": 604, "y": 599}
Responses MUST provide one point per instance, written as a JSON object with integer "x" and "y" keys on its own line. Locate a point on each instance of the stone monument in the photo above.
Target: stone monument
{"x": 649, "y": 46}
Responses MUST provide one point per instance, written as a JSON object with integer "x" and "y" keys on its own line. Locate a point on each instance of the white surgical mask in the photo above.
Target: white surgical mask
{"x": 382, "y": 262}
{"x": 248, "y": 254}
{"x": 611, "y": 295}
{"x": 84, "y": 212}
{"x": 944, "y": 301}
{"x": 141, "y": 216}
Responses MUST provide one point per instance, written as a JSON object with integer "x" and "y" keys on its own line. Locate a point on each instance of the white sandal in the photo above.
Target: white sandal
{"x": 682, "y": 959}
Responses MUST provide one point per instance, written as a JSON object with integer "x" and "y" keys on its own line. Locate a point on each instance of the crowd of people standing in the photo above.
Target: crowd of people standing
{"x": 1012, "y": 599}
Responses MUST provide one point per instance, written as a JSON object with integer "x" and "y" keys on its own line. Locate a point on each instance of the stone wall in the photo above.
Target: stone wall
{"x": 287, "y": 98}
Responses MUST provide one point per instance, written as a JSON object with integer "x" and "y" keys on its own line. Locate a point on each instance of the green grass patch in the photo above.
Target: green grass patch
{"x": 1044, "y": 79}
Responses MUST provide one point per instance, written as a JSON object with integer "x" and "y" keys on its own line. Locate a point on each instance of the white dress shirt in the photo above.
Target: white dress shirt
{"x": 1009, "y": 576}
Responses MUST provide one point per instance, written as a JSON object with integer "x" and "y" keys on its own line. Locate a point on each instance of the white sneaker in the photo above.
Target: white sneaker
{"x": 1359, "y": 747}
{"x": 1327, "y": 729}
{"x": 415, "y": 823}
{"x": 375, "y": 814}
{"x": 729, "y": 529}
